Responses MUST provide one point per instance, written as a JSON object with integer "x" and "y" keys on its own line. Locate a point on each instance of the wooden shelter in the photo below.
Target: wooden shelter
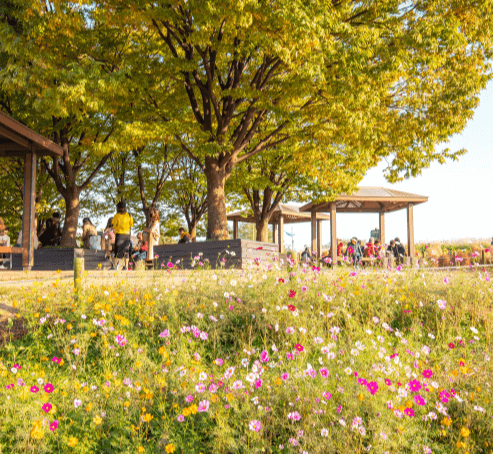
{"x": 283, "y": 214}
{"x": 18, "y": 141}
{"x": 365, "y": 200}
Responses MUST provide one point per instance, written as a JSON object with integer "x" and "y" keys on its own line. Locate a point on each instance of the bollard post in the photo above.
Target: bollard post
{"x": 483, "y": 257}
{"x": 78, "y": 274}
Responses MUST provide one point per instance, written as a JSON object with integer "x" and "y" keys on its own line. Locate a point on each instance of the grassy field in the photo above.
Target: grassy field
{"x": 291, "y": 361}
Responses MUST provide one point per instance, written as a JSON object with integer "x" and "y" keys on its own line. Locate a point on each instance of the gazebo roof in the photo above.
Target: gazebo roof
{"x": 369, "y": 199}
{"x": 16, "y": 140}
{"x": 290, "y": 213}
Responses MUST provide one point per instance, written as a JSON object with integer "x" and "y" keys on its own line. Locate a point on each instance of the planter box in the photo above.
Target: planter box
{"x": 217, "y": 254}
{"x": 52, "y": 259}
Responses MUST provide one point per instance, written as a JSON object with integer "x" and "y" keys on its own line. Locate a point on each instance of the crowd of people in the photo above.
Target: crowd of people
{"x": 119, "y": 245}
{"x": 355, "y": 251}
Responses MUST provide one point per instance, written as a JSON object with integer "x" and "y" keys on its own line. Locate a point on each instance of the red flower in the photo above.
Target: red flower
{"x": 451, "y": 345}
{"x": 260, "y": 248}
{"x": 281, "y": 280}
{"x": 299, "y": 347}
{"x": 291, "y": 308}
{"x": 292, "y": 293}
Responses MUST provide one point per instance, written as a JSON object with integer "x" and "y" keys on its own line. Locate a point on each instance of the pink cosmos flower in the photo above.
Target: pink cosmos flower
{"x": 289, "y": 356}
{"x": 203, "y": 406}
{"x": 200, "y": 387}
{"x": 189, "y": 398}
{"x": 419, "y": 400}
{"x": 218, "y": 362}
{"x": 427, "y": 373}
{"x": 446, "y": 280}
{"x": 48, "y": 388}
{"x": 165, "y": 333}
{"x": 327, "y": 395}
{"x": 47, "y": 407}
{"x": 292, "y": 293}
{"x": 409, "y": 412}
{"x": 170, "y": 265}
{"x": 299, "y": 347}
{"x": 54, "y": 425}
{"x": 285, "y": 376}
{"x": 255, "y": 426}
{"x": 444, "y": 396}
{"x": 414, "y": 385}
{"x": 264, "y": 356}
{"x": 56, "y": 360}
{"x": 372, "y": 387}
{"x": 304, "y": 288}
{"x": 212, "y": 387}
{"x": 339, "y": 409}
{"x": 180, "y": 418}
{"x": 258, "y": 383}
{"x": 294, "y": 416}
{"x": 34, "y": 389}
{"x": 324, "y": 372}
{"x": 388, "y": 382}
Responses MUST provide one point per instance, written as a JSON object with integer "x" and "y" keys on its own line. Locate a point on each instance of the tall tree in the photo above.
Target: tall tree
{"x": 390, "y": 79}
{"x": 62, "y": 90}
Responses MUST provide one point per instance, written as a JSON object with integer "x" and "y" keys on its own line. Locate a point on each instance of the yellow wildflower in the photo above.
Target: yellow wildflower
{"x": 169, "y": 448}
{"x": 97, "y": 420}
{"x": 72, "y": 442}
{"x": 465, "y": 432}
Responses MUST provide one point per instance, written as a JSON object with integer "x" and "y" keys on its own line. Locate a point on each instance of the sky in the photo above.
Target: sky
{"x": 460, "y": 204}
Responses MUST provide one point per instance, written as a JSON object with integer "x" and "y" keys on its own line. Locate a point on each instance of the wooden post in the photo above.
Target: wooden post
{"x": 333, "y": 234}
{"x": 78, "y": 275}
{"x": 381, "y": 226}
{"x": 281, "y": 234}
{"x": 28, "y": 210}
{"x": 319, "y": 238}
{"x": 410, "y": 232}
{"x": 274, "y": 232}
{"x": 235, "y": 229}
{"x": 314, "y": 231}
{"x": 483, "y": 257}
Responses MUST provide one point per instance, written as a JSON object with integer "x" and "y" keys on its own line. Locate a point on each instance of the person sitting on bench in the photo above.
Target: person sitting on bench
{"x": 5, "y": 242}
{"x": 184, "y": 236}
{"x": 140, "y": 251}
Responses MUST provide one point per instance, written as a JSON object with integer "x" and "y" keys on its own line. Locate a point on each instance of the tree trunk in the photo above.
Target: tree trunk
{"x": 262, "y": 226}
{"x": 217, "y": 223}
{"x": 71, "y": 218}
{"x": 193, "y": 232}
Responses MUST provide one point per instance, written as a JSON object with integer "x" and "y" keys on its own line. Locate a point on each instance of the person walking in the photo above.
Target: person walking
{"x": 153, "y": 232}
{"x": 109, "y": 239}
{"x": 122, "y": 224}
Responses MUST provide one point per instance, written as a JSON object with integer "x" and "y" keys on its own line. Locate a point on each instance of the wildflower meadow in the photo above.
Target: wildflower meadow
{"x": 277, "y": 360}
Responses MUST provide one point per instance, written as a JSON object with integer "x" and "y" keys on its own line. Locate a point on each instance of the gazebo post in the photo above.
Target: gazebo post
{"x": 410, "y": 232}
{"x": 28, "y": 210}
{"x": 281, "y": 234}
{"x": 235, "y": 229}
{"x": 333, "y": 234}
{"x": 319, "y": 238}
{"x": 381, "y": 226}
{"x": 274, "y": 232}
{"x": 314, "y": 231}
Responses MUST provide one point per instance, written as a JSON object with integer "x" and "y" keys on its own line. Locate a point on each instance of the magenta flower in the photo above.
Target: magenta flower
{"x": 299, "y": 347}
{"x": 264, "y": 356}
{"x": 372, "y": 387}
{"x": 444, "y": 396}
{"x": 47, "y": 407}
{"x": 339, "y": 409}
{"x": 304, "y": 288}
{"x": 294, "y": 416}
{"x": 388, "y": 382}
{"x": 189, "y": 398}
{"x": 414, "y": 385}
{"x": 409, "y": 412}
{"x": 170, "y": 265}
{"x": 427, "y": 373}
{"x": 54, "y": 425}
{"x": 218, "y": 362}
{"x": 285, "y": 376}
{"x": 324, "y": 372}
{"x": 48, "y": 388}
{"x": 419, "y": 400}
{"x": 56, "y": 360}
{"x": 327, "y": 395}
{"x": 34, "y": 389}
{"x": 258, "y": 383}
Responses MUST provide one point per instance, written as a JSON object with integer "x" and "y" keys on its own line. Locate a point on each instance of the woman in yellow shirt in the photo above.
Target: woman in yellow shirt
{"x": 122, "y": 223}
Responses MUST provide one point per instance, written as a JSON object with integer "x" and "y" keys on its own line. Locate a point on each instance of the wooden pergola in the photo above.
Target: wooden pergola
{"x": 283, "y": 214}
{"x": 365, "y": 200}
{"x": 18, "y": 141}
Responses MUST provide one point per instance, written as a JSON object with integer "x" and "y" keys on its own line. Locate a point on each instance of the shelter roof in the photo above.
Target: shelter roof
{"x": 369, "y": 199}
{"x": 291, "y": 215}
{"x": 16, "y": 140}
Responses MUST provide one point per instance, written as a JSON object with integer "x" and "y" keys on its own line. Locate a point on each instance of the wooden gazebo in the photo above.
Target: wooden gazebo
{"x": 283, "y": 214}
{"x": 365, "y": 200}
{"x": 18, "y": 141}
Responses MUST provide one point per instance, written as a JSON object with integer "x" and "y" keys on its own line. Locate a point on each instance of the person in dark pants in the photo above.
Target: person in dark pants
{"x": 122, "y": 224}
{"x": 53, "y": 232}
{"x": 401, "y": 251}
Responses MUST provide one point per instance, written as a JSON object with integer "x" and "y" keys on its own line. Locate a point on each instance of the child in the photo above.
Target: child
{"x": 140, "y": 251}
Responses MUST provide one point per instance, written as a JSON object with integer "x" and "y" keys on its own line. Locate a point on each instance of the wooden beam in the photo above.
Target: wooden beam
{"x": 17, "y": 138}
{"x": 333, "y": 234}
{"x": 381, "y": 226}
{"x": 235, "y": 229}
{"x": 274, "y": 232}
{"x": 319, "y": 238}
{"x": 12, "y": 147}
{"x": 313, "y": 247}
{"x": 28, "y": 210}
{"x": 410, "y": 232}
{"x": 281, "y": 234}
